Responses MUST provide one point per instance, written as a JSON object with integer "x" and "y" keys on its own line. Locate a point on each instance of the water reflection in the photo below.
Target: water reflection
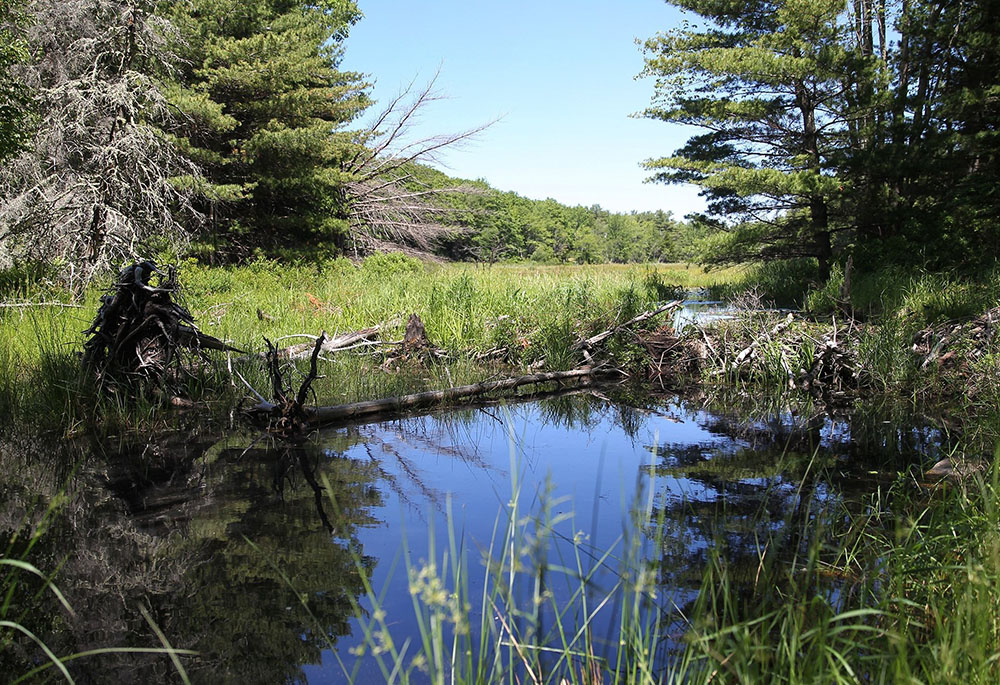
{"x": 252, "y": 554}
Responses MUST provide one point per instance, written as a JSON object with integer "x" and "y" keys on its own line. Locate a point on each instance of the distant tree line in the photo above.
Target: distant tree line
{"x": 491, "y": 225}
{"x": 836, "y": 127}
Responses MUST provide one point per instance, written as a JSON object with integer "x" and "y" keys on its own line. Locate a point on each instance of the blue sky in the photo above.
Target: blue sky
{"x": 561, "y": 75}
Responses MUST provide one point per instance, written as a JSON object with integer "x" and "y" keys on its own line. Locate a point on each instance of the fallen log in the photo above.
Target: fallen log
{"x": 360, "y": 338}
{"x": 645, "y": 316}
{"x": 318, "y": 416}
{"x": 24, "y": 305}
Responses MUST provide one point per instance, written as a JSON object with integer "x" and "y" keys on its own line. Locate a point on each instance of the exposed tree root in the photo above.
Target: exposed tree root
{"x": 140, "y": 330}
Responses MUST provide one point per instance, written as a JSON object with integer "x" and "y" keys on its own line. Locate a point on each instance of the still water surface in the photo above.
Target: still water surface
{"x": 238, "y": 552}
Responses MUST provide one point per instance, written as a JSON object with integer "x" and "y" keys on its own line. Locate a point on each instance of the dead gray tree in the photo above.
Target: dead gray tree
{"x": 101, "y": 177}
{"x": 388, "y": 207}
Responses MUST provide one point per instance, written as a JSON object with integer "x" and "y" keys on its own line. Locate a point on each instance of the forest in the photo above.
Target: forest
{"x": 283, "y": 401}
{"x": 829, "y": 130}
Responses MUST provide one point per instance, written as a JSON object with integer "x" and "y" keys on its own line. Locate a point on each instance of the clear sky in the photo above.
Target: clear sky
{"x": 560, "y": 74}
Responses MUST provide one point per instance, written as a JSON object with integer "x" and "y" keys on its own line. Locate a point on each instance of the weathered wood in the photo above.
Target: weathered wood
{"x": 316, "y": 416}
{"x": 24, "y": 305}
{"x": 344, "y": 341}
{"x": 140, "y": 329}
{"x": 645, "y": 316}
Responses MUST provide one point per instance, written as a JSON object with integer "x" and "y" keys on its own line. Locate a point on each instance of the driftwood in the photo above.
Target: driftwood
{"x": 595, "y": 340}
{"x": 25, "y": 305}
{"x": 956, "y": 344}
{"x": 268, "y": 412}
{"x": 364, "y": 337}
{"x": 286, "y": 416}
{"x": 352, "y": 339}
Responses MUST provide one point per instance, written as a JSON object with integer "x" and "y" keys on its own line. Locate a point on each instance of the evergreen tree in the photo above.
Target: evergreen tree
{"x": 267, "y": 109}
{"x": 765, "y": 80}
{"x": 944, "y": 156}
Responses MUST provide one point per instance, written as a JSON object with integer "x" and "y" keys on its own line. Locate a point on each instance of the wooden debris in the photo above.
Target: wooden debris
{"x": 672, "y": 355}
{"x": 25, "y": 305}
{"x": 936, "y": 345}
{"x": 415, "y": 346}
{"x": 415, "y": 337}
{"x": 285, "y": 417}
{"x": 140, "y": 329}
{"x": 595, "y": 340}
{"x": 299, "y": 417}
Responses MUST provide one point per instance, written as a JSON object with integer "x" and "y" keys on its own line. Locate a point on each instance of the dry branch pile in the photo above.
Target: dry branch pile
{"x": 140, "y": 332}
{"x": 953, "y": 345}
{"x": 762, "y": 347}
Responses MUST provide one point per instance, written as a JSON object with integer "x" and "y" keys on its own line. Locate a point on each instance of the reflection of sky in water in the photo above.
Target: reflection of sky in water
{"x": 598, "y": 472}
{"x": 595, "y": 471}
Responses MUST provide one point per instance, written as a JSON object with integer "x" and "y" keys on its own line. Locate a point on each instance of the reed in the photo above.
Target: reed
{"x": 902, "y": 589}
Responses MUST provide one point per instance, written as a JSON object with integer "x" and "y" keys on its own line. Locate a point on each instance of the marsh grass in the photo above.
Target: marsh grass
{"x": 536, "y": 617}
{"x": 484, "y": 318}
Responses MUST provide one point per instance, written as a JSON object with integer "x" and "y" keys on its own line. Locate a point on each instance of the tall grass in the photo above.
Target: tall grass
{"x": 513, "y": 316}
{"x": 903, "y": 589}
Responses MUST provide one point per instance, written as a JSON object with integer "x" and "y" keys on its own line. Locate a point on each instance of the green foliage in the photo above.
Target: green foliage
{"x": 266, "y": 109}
{"x": 764, "y": 81}
{"x": 15, "y": 98}
{"x": 388, "y": 264}
{"x": 785, "y": 283}
{"x": 833, "y": 127}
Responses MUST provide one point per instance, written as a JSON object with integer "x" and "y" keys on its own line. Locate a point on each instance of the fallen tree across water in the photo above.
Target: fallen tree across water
{"x": 289, "y": 418}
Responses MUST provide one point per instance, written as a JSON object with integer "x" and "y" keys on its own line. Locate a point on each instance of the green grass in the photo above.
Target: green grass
{"x": 902, "y": 589}
{"x": 489, "y": 320}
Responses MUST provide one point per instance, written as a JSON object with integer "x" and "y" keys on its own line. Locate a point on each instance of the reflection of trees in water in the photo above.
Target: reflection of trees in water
{"x": 271, "y": 583}
{"x": 206, "y": 545}
{"x": 772, "y": 487}
{"x": 205, "y": 534}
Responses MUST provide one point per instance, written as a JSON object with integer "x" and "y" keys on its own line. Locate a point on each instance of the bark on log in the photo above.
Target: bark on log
{"x": 364, "y": 336}
{"x": 317, "y": 416}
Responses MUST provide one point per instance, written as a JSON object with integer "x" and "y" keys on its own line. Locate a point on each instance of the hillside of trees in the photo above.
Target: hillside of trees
{"x": 492, "y": 225}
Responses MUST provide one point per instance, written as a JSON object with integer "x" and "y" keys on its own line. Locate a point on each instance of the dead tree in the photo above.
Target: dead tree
{"x": 100, "y": 178}
{"x": 388, "y": 206}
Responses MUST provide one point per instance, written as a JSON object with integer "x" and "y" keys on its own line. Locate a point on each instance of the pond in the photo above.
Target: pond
{"x": 257, "y": 556}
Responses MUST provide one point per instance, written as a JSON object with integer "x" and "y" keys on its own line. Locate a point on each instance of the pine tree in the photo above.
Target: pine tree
{"x": 766, "y": 80}
{"x": 267, "y": 114}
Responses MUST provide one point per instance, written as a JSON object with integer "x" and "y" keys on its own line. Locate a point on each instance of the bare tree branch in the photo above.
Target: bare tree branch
{"x": 386, "y": 204}
{"x": 101, "y": 177}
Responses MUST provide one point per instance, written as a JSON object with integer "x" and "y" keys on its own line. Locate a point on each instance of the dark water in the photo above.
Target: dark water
{"x": 253, "y": 554}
